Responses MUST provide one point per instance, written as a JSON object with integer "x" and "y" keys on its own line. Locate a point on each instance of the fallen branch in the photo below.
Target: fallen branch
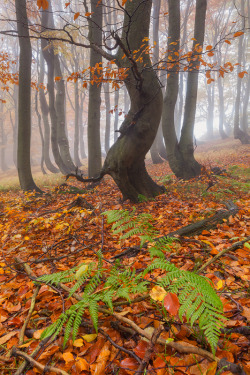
{"x": 196, "y": 228}
{"x": 31, "y": 309}
{"x": 235, "y": 246}
{"x": 18, "y": 353}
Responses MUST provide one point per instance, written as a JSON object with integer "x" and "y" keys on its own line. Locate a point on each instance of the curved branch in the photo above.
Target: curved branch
{"x": 80, "y": 177}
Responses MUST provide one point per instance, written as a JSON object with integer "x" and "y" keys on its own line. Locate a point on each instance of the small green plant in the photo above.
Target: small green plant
{"x": 198, "y": 300}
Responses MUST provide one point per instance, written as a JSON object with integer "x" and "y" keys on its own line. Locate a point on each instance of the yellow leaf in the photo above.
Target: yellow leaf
{"x": 83, "y": 269}
{"x": 76, "y": 15}
{"x": 68, "y": 357}
{"x": 90, "y": 338}
{"x": 78, "y": 343}
{"x": 158, "y": 293}
{"x": 219, "y": 285}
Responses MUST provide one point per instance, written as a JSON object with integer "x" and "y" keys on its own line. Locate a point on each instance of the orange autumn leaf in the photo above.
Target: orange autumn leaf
{"x": 210, "y": 54}
{"x": 88, "y": 14}
{"x": 241, "y": 74}
{"x": 67, "y": 4}
{"x": 58, "y": 78}
{"x": 42, "y": 4}
{"x": 171, "y": 303}
{"x": 227, "y": 41}
{"x": 76, "y": 15}
{"x": 209, "y": 47}
{"x": 68, "y": 357}
{"x": 238, "y": 33}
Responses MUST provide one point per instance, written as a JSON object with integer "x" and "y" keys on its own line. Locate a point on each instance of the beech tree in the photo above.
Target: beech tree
{"x": 181, "y": 153}
{"x": 24, "y": 99}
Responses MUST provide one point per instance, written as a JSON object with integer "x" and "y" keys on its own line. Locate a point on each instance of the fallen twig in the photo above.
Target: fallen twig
{"x": 18, "y": 353}
{"x": 235, "y": 246}
{"x": 31, "y": 309}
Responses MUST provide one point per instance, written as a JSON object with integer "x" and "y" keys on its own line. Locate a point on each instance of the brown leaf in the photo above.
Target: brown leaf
{"x": 7, "y": 337}
{"x": 171, "y": 303}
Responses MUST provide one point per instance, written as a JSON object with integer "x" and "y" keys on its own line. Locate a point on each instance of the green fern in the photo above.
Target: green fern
{"x": 199, "y": 302}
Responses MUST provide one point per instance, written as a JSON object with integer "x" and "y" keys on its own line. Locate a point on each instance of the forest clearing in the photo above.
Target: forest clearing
{"x": 65, "y": 228}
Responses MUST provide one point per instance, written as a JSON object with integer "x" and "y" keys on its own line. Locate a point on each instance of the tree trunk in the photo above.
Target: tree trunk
{"x": 77, "y": 125}
{"x": 82, "y": 147}
{"x": 24, "y": 100}
{"x": 3, "y": 142}
{"x": 60, "y": 111}
{"x": 154, "y": 150}
{"x": 221, "y": 109}
{"x": 107, "y": 109}
{"x": 210, "y": 111}
{"x": 45, "y": 117}
{"x": 181, "y": 154}
{"x": 116, "y": 120}
{"x": 40, "y": 131}
{"x": 125, "y": 159}
{"x": 94, "y": 107}
{"x": 238, "y": 133}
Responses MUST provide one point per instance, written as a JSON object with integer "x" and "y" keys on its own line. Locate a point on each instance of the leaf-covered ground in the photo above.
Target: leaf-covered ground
{"x": 64, "y": 228}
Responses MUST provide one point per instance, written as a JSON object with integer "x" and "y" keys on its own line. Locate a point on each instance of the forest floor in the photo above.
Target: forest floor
{"x": 65, "y": 228}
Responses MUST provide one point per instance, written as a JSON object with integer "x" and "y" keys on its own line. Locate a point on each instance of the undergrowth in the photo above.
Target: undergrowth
{"x": 98, "y": 282}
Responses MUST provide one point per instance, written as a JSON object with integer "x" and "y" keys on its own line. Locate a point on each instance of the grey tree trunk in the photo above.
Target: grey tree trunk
{"x": 24, "y": 100}
{"x": 181, "y": 154}
{"x": 77, "y": 126}
{"x": 116, "y": 120}
{"x": 221, "y": 109}
{"x": 238, "y": 132}
{"x": 82, "y": 146}
{"x": 3, "y": 140}
{"x": 45, "y": 117}
{"x": 108, "y": 119}
{"x": 39, "y": 118}
{"x": 210, "y": 111}
{"x": 155, "y": 148}
{"x": 94, "y": 107}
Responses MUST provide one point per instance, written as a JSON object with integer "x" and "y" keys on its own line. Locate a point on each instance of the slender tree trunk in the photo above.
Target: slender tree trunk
{"x": 210, "y": 111}
{"x": 154, "y": 150}
{"x": 77, "y": 127}
{"x": 40, "y": 131}
{"x": 94, "y": 107}
{"x": 60, "y": 104}
{"x": 108, "y": 119}
{"x": 181, "y": 154}
{"x": 82, "y": 147}
{"x": 245, "y": 105}
{"x": 45, "y": 117}
{"x": 3, "y": 142}
{"x": 116, "y": 120}
{"x": 24, "y": 100}
{"x": 238, "y": 133}
{"x": 221, "y": 109}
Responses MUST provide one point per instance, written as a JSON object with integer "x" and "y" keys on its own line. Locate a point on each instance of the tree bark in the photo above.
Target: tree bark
{"x": 238, "y": 132}
{"x": 45, "y": 117}
{"x": 24, "y": 100}
{"x": 94, "y": 107}
{"x": 125, "y": 159}
{"x": 108, "y": 120}
{"x": 181, "y": 154}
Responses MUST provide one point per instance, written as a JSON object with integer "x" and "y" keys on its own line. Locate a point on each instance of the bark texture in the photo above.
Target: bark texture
{"x": 24, "y": 100}
{"x": 181, "y": 154}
